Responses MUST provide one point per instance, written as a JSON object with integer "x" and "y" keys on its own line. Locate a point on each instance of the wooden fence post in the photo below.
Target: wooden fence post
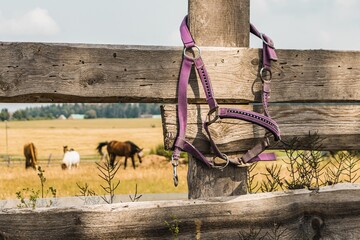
{"x": 8, "y": 160}
{"x": 49, "y": 159}
{"x": 219, "y": 23}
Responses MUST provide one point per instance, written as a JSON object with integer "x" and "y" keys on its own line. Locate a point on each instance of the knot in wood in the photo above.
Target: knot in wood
{"x": 4, "y": 86}
{"x": 317, "y": 223}
{"x": 255, "y": 62}
{"x": 92, "y": 76}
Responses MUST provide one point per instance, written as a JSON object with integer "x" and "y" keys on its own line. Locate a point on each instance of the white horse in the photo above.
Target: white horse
{"x": 71, "y": 158}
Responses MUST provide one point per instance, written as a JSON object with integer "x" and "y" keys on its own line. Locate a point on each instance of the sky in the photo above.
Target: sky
{"x": 292, "y": 24}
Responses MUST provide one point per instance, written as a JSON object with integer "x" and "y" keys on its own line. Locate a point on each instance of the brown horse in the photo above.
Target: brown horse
{"x": 116, "y": 148}
{"x": 30, "y": 155}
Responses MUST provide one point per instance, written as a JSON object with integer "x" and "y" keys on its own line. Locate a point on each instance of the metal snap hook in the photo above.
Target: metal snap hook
{"x": 175, "y": 163}
{"x": 176, "y": 181}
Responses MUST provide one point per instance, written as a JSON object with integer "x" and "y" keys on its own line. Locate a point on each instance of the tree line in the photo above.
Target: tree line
{"x": 98, "y": 110}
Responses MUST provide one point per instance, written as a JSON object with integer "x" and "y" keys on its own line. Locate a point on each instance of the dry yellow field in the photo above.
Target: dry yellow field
{"x": 154, "y": 175}
{"x": 49, "y": 136}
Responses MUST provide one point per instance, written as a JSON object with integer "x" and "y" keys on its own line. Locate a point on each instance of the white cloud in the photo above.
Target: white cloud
{"x": 35, "y": 22}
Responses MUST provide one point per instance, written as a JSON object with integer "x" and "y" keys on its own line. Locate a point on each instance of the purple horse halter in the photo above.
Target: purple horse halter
{"x": 215, "y": 113}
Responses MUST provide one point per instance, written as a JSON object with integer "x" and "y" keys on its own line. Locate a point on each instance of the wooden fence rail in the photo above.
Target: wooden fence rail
{"x": 110, "y": 73}
{"x": 331, "y": 213}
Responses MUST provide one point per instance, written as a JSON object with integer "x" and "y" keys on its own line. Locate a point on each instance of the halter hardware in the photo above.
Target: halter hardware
{"x": 269, "y": 43}
{"x": 175, "y": 163}
{"x": 221, "y": 167}
{"x": 191, "y": 49}
{"x": 213, "y": 112}
{"x": 263, "y": 72}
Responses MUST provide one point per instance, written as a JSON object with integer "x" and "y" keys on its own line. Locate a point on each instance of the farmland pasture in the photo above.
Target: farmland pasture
{"x": 49, "y": 136}
{"x": 154, "y": 175}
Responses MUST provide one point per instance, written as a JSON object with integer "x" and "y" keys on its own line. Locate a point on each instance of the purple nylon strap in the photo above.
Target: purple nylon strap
{"x": 265, "y": 121}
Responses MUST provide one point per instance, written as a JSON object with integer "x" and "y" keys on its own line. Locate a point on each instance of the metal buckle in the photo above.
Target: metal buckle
{"x": 175, "y": 163}
{"x": 210, "y": 113}
{"x": 243, "y": 164}
{"x": 223, "y": 166}
{"x": 270, "y": 44}
{"x": 264, "y": 70}
{"x": 194, "y": 57}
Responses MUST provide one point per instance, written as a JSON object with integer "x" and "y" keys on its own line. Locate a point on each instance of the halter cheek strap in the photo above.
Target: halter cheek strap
{"x": 215, "y": 113}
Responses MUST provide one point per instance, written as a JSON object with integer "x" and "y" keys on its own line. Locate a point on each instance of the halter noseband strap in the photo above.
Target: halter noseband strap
{"x": 265, "y": 121}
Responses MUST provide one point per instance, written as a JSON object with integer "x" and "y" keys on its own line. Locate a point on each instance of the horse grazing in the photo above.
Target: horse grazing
{"x": 71, "y": 158}
{"x": 30, "y": 155}
{"x": 116, "y": 148}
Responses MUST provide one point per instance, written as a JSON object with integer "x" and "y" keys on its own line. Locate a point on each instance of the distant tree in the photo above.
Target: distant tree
{"x": 90, "y": 114}
{"x": 4, "y": 114}
{"x": 20, "y": 115}
{"x": 105, "y": 110}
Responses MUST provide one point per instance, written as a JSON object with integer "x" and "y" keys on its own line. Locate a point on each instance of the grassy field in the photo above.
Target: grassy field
{"x": 154, "y": 175}
{"x": 49, "y": 136}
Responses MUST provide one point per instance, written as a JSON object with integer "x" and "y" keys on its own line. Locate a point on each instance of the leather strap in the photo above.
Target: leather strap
{"x": 181, "y": 144}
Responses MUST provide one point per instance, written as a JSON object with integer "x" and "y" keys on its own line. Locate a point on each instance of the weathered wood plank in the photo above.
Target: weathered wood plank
{"x": 205, "y": 182}
{"x": 338, "y": 125}
{"x": 331, "y": 213}
{"x": 40, "y": 72}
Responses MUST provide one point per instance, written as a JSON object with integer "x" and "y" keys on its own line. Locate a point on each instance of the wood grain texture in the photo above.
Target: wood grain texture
{"x": 337, "y": 125}
{"x": 40, "y": 72}
{"x": 331, "y": 213}
{"x": 229, "y": 27}
{"x": 205, "y": 182}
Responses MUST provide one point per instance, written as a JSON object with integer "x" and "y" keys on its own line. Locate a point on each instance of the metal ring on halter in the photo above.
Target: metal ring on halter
{"x": 225, "y": 165}
{"x": 271, "y": 44}
{"x": 189, "y": 57}
{"x": 262, "y": 72}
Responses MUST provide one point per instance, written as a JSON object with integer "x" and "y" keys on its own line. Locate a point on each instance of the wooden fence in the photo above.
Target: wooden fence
{"x": 312, "y": 91}
{"x": 332, "y": 213}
